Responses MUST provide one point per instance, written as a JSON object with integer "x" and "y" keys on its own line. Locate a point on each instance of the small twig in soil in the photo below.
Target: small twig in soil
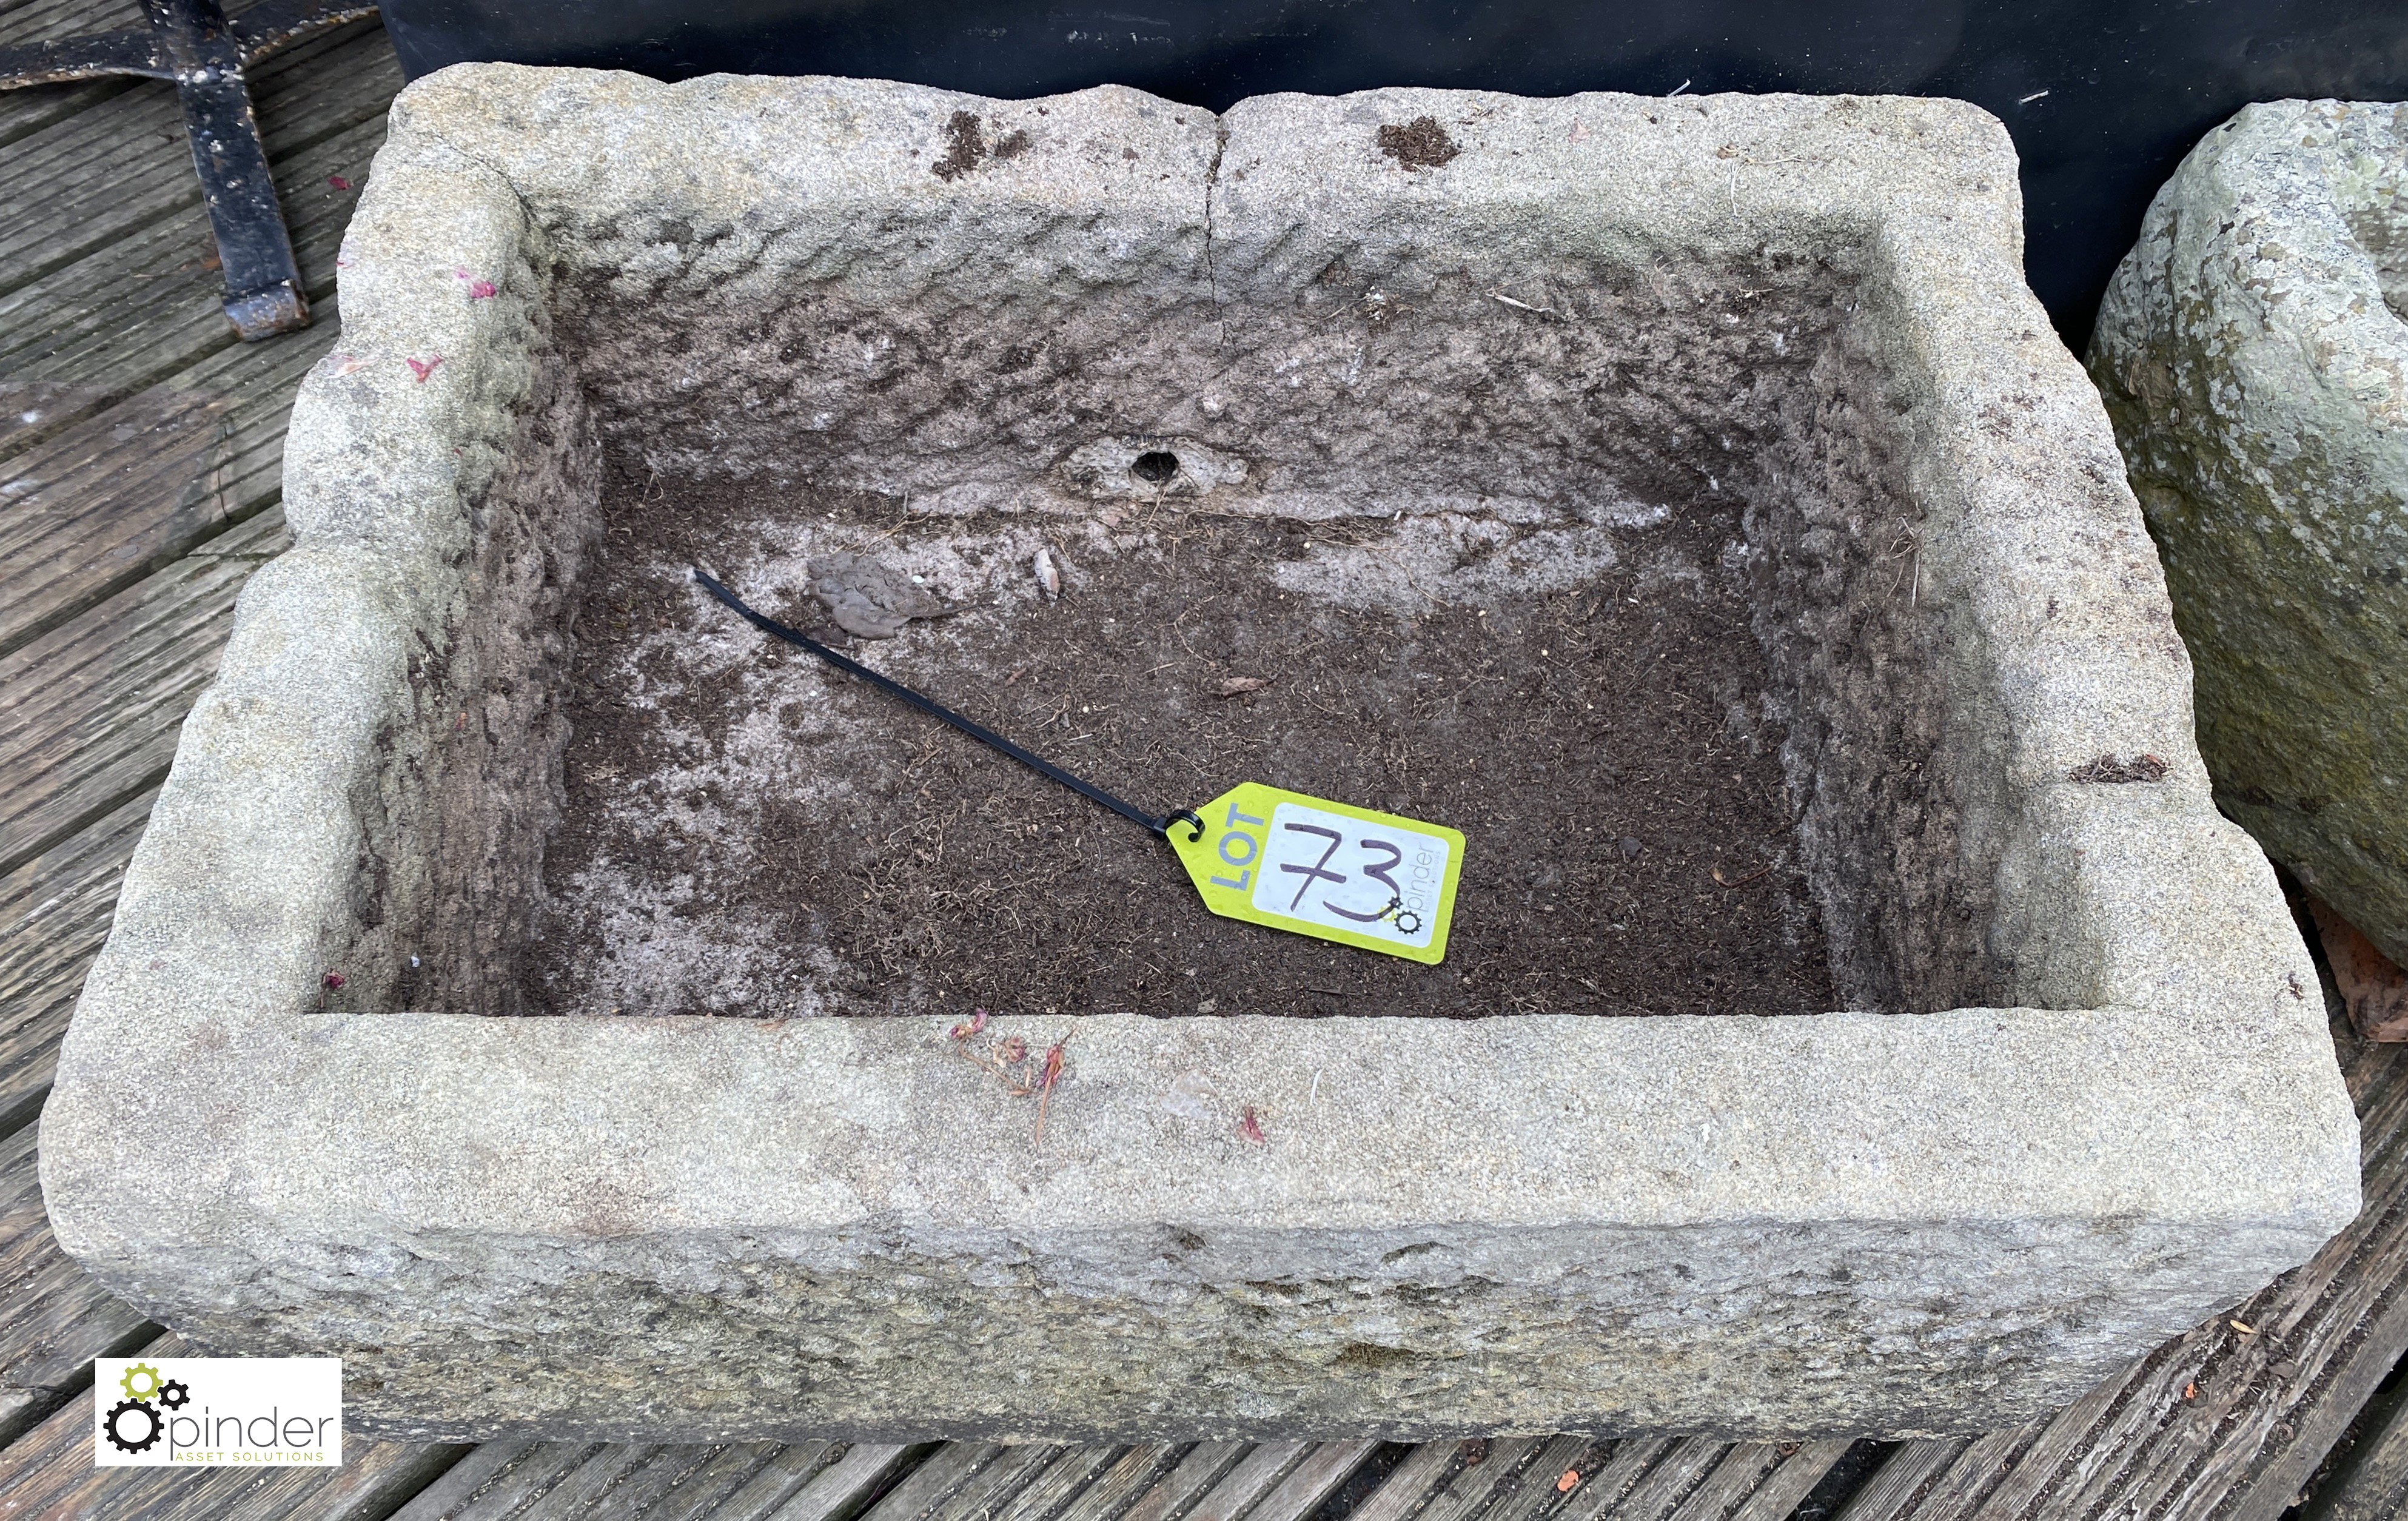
{"x": 1378, "y": 299}
{"x": 1741, "y": 881}
{"x": 900, "y": 523}
{"x": 1913, "y": 547}
{"x": 1521, "y": 306}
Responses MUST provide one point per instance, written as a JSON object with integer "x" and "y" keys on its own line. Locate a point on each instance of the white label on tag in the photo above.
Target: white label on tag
{"x": 1343, "y": 873}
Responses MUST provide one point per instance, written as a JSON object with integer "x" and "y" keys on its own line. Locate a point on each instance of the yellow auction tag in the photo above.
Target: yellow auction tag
{"x": 1327, "y": 869}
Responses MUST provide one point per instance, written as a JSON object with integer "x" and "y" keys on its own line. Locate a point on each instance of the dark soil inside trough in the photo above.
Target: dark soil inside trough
{"x": 1601, "y": 745}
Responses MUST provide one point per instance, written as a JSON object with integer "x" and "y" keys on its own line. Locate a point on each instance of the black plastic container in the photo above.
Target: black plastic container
{"x": 2103, "y": 96}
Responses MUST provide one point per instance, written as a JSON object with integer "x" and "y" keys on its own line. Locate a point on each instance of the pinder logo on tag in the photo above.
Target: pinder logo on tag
{"x": 212, "y": 1412}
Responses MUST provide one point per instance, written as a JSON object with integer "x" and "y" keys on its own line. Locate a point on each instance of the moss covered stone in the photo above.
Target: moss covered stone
{"x": 2251, "y": 352}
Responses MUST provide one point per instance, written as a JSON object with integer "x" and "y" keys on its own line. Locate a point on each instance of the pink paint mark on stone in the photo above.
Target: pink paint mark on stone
{"x": 424, "y": 367}
{"x": 338, "y": 181}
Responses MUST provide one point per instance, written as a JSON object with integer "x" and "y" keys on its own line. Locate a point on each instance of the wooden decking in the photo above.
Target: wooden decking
{"x": 139, "y": 466}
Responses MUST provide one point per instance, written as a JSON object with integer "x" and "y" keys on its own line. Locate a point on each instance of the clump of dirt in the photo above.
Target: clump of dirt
{"x": 749, "y": 832}
{"x": 2109, "y": 770}
{"x": 1419, "y": 144}
{"x": 965, "y": 147}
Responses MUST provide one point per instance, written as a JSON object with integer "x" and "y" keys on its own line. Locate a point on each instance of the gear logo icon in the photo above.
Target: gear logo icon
{"x": 133, "y": 1425}
{"x": 174, "y": 1394}
{"x": 146, "y": 1376}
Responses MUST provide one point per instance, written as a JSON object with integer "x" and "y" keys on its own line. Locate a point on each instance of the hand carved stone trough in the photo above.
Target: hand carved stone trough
{"x": 2088, "y": 1096}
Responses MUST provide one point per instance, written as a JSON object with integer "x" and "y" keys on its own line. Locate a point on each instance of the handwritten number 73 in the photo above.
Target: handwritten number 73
{"x": 1319, "y": 871}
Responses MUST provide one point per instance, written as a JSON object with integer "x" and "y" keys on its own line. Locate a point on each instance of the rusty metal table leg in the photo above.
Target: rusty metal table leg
{"x": 263, "y": 292}
{"x": 193, "y": 44}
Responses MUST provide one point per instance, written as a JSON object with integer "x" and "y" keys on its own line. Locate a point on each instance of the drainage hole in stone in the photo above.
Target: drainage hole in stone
{"x": 1155, "y": 466}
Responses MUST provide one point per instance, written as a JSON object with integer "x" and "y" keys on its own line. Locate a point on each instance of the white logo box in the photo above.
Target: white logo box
{"x": 218, "y": 1411}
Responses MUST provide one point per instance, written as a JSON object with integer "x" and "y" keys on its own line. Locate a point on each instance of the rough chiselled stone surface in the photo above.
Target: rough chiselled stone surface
{"x": 2087, "y": 1094}
{"x": 2253, "y": 350}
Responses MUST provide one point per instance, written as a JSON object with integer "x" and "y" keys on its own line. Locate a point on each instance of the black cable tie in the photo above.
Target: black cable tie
{"x": 936, "y": 710}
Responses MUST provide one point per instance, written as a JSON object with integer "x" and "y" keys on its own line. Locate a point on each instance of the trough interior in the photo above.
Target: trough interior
{"x": 1615, "y": 570}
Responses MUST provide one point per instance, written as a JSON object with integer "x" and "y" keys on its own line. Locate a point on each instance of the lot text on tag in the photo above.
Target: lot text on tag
{"x": 1331, "y": 871}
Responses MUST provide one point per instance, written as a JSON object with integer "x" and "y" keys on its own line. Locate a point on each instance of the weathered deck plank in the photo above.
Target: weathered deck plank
{"x": 716, "y": 1487}
{"x": 498, "y": 1479}
{"x": 25, "y": 113}
{"x": 1671, "y": 1478}
{"x": 1043, "y": 1494}
{"x": 1532, "y": 1490}
{"x": 54, "y": 912}
{"x": 865, "y": 1473}
{"x": 577, "y": 1481}
{"x": 1785, "y": 1488}
{"x": 996, "y": 1483}
{"x": 2372, "y": 1483}
{"x": 1256, "y": 1475}
{"x": 115, "y": 172}
{"x": 109, "y": 501}
{"x": 1203, "y": 1465}
{"x": 443, "y": 1499}
{"x": 1614, "y": 1475}
{"x": 1759, "y": 1481}
{"x": 1500, "y": 1470}
{"x": 947, "y": 1471}
{"x": 1898, "y": 1485}
{"x": 257, "y": 384}
{"x": 54, "y": 1318}
{"x": 626, "y": 1479}
{"x": 1299, "y": 1493}
{"x": 1639, "y": 1479}
{"x": 143, "y": 310}
{"x": 90, "y": 711}
{"x": 137, "y": 484}
{"x": 1118, "y": 1486}
{"x": 1410, "y": 1486}
{"x": 139, "y": 310}
{"x": 253, "y": 384}
{"x": 26, "y": 21}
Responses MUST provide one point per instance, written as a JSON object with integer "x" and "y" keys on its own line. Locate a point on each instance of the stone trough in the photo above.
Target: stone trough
{"x": 2083, "y": 1094}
